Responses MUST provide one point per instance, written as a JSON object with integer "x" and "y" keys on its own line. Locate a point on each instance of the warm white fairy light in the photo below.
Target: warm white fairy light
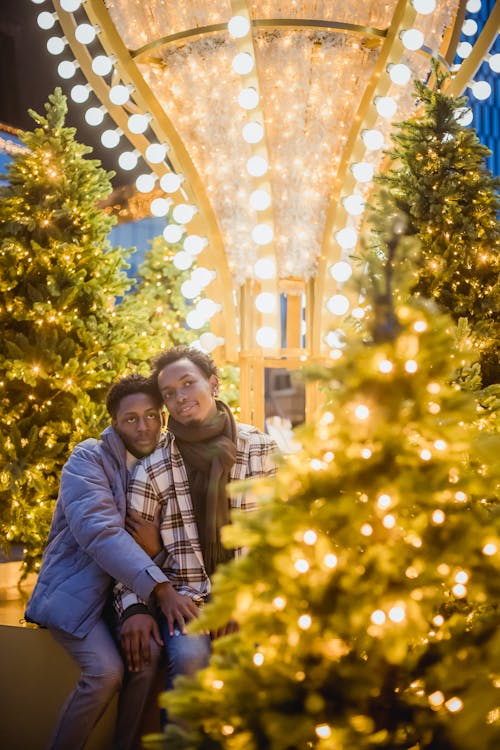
{"x": 489, "y": 549}
{"x": 301, "y": 565}
{"x": 438, "y": 517}
{"x": 454, "y": 705}
{"x": 389, "y": 521}
{"x": 258, "y": 659}
{"x": 310, "y": 537}
{"x": 411, "y": 366}
{"x": 217, "y": 684}
{"x": 366, "y": 529}
{"x": 266, "y": 336}
{"x": 341, "y": 271}
{"x": 262, "y": 234}
{"x": 85, "y": 33}
{"x": 265, "y": 268}
{"x": 330, "y": 560}
{"x": 338, "y": 304}
{"x": 257, "y": 166}
{"x": 354, "y": 204}
{"x": 304, "y": 622}
{"x": 171, "y": 182}
{"x": 260, "y": 200}
{"x": 279, "y": 603}
{"x": 412, "y": 39}
{"x": 243, "y": 63}
{"x": 238, "y": 26}
{"x": 397, "y": 614}
{"x": 362, "y": 412}
{"x": 385, "y": 366}
{"x": 378, "y": 617}
{"x": 252, "y": 132}
{"x": 323, "y": 731}
{"x": 248, "y": 98}
{"x": 436, "y": 699}
{"x": 173, "y": 233}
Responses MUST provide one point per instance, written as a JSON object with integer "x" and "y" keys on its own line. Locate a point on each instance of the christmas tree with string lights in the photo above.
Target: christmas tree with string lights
{"x": 63, "y": 342}
{"x": 367, "y": 602}
{"x": 440, "y": 182}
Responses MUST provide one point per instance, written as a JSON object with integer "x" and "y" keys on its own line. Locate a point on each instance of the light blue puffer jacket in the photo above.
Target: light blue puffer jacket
{"x": 88, "y": 546}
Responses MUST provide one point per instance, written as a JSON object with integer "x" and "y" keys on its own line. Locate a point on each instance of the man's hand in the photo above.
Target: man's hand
{"x": 145, "y": 533}
{"x": 178, "y": 609}
{"x": 135, "y": 635}
{"x": 230, "y": 627}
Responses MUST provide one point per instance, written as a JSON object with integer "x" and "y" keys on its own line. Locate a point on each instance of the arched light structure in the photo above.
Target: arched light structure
{"x": 275, "y": 116}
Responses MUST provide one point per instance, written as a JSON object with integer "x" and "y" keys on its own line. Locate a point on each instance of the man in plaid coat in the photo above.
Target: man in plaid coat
{"x": 183, "y": 483}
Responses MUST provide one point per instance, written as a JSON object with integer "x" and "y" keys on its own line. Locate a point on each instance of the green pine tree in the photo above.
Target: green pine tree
{"x": 62, "y": 340}
{"x": 367, "y": 602}
{"x": 440, "y": 184}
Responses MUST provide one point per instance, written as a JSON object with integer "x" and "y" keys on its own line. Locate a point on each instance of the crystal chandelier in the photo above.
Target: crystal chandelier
{"x": 260, "y": 126}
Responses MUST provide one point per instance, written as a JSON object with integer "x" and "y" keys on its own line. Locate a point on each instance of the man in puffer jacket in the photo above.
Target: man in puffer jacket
{"x": 88, "y": 547}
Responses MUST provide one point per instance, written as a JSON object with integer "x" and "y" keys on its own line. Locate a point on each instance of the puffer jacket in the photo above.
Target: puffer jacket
{"x": 88, "y": 546}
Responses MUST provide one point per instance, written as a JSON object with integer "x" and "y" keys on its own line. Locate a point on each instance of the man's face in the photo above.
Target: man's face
{"x": 138, "y": 423}
{"x": 188, "y": 395}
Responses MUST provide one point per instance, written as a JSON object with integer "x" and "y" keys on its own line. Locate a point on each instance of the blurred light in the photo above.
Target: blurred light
{"x": 399, "y": 74}
{"x": 354, "y": 204}
{"x": 46, "y": 20}
{"x": 194, "y": 244}
{"x": 156, "y": 152}
{"x": 248, "y": 98}
{"x": 424, "y": 7}
{"x": 266, "y": 336}
{"x": 243, "y": 63}
{"x": 265, "y": 268}
{"x": 238, "y": 26}
{"x": 262, "y": 234}
{"x": 341, "y": 271}
{"x": 145, "y": 183}
{"x": 265, "y": 302}
{"x": 253, "y": 132}
{"x": 412, "y": 39}
{"x": 373, "y": 139}
{"x": 338, "y": 304}
{"x": 85, "y": 33}
{"x": 170, "y": 182}
{"x": 70, "y": 5}
{"x": 173, "y": 233}
{"x": 257, "y": 166}
{"x": 183, "y": 260}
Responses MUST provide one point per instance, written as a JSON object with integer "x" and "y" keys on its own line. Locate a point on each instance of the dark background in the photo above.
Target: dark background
{"x": 28, "y": 74}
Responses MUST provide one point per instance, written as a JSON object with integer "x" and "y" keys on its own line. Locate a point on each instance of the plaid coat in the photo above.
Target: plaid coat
{"x": 161, "y": 481}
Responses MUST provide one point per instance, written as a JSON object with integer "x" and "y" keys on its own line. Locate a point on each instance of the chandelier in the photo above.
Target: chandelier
{"x": 260, "y": 126}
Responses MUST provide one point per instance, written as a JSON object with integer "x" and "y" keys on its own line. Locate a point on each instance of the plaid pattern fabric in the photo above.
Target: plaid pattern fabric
{"x": 161, "y": 480}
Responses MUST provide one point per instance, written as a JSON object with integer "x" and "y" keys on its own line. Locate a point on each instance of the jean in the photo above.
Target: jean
{"x": 101, "y": 677}
{"x": 186, "y": 654}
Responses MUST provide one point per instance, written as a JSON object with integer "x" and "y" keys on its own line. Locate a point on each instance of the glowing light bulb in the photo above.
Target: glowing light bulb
{"x": 145, "y": 183}
{"x": 260, "y": 200}
{"x": 399, "y": 74}
{"x": 341, "y": 271}
{"x": 424, "y": 7}
{"x": 494, "y": 62}
{"x": 195, "y": 320}
{"x": 128, "y": 160}
{"x": 95, "y": 115}
{"x": 189, "y": 289}
{"x": 102, "y": 65}
{"x": 243, "y": 63}
{"x": 46, "y": 20}
{"x": 347, "y": 238}
{"x": 160, "y": 206}
{"x": 386, "y": 106}
{"x": 362, "y": 171}
{"x": 412, "y": 39}
{"x": 248, "y": 98}
{"x": 56, "y": 45}
{"x": 481, "y": 90}
{"x": 70, "y": 5}
{"x": 265, "y": 302}
{"x": 80, "y": 93}
{"x": 265, "y": 268}
{"x": 183, "y": 213}
{"x": 257, "y": 166}
{"x": 85, "y": 33}
{"x": 171, "y": 182}
{"x": 138, "y": 123}
{"x": 182, "y": 260}
{"x": 202, "y": 276}
{"x": 262, "y": 234}
{"x": 373, "y": 139}
{"x": 67, "y": 69}
{"x": 173, "y": 233}
{"x": 338, "y": 304}
{"x": 253, "y": 132}
{"x": 156, "y": 152}
{"x": 238, "y": 26}
{"x": 464, "y": 49}
{"x": 194, "y": 244}
{"x": 209, "y": 341}
{"x": 354, "y": 204}
{"x": 119, "y": 94}
{"x": 469, "y": 27}
{"x": 266, "y": 337}
{"x": 110, "y": 138}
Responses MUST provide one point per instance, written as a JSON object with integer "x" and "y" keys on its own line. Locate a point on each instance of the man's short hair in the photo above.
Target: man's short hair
{"x": 129, "y": 385}
{"x": 201, "y": 359}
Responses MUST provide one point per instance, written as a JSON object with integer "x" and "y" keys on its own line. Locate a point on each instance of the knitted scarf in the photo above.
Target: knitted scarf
{"x": 209, "y": 451}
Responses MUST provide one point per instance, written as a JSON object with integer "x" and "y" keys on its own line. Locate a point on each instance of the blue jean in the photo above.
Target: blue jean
{"x": 101, "y": 677}
{"x": 186, "y": 654}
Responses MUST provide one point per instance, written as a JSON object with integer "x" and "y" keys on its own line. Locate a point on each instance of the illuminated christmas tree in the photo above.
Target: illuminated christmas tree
{"x": 367, "y": 601}
{"x": 440, "y": 183}
{"x": 62, "y": 340}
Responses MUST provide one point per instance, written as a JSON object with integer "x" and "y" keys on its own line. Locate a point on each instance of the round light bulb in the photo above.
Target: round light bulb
{"x": 399, "y": 74}
{"x": 80, "y": 93}
{"x": 207, "y": 307}
{"x": 170, "y": 182}
{"x": 248, "y": 98}
{"x": 46, "y": 20}
{"x": 183, "y": 213}
{"x": 243, "y": 63}
{"x": 183, "y": 260}
{"x": 473, "y": 6}
{"x": 194, "y": 244}
{"x": 469, "y": 27}
{"x": 373, "y": 139}
{"x": 338, "y": 304}
{"x": 110, "y": 138}
{"x": 253, "y": 132}
{"x": 412, "y": 39}
{"x": 94, "y": 116}
{"x": 138, "y": 123}
{"x": 424, "y": 7}
{"x": 354, "y": 204}
{"x": 202, "y": 276}
{"x": 386, "y": 106}
{"x": 266, "y": 336}
{"x": 494, "y": 62}
{"x": 481, "y": 90}
{"x": 341, "y": 271}
{"x": 56, "y": 45}
{"x": 189, "y": 289}
{"x": 85, "y": 33}
{"x": 257, "y": 166}
{"x": 173, "y": 233}
{"x": 67, "y": 69}
{"x": 156, "y": 152}
{"x": 70, "y": 5}
{"x": 145, "y": 183}
{"x": 265, "y": 268}
{"x": 160, "y": 206}
{"x": 336, "y": 339}
{"x": 347, "y": 238}
{"x": 464, "y": 116}
{"x": 128, "y": 160}
{"x": 102, "y": 65}
{"x": 119, "y": 94}
{"x": 464, "y": 49}
{"x": 362, "y": 171}
{"x": 265, "y": 302}
{"x": 238, "y": 26}
{"x": 209, "y": 341}
{"x": 262, "y": 234}
{"x": 260, "y": 200}
{"x": 195, "y": 320}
